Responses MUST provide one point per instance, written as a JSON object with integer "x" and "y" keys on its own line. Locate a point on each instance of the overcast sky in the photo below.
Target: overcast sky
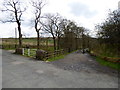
{"x": 85, "y": 13}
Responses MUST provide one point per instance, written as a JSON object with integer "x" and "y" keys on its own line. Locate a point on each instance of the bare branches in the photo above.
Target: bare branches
{"x": 13, "y": 7}
{"x": 37, "y": 5}
{"x": 52, "y": 24}
{"x": 8, "y": 10}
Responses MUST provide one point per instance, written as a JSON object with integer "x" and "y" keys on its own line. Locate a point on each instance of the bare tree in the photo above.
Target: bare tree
{"x": 58, "y": 22}
{"x": 52, "y": 26}
{"x": 13, "y": 8}
{"x": 38, "y": 5}
{"x": 48, "y": 26}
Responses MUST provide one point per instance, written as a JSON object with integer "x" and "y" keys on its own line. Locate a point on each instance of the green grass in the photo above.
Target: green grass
{"x": 48, "y": 49}
{"x": 107, "y": 63}
{"x": 55, "y": 58}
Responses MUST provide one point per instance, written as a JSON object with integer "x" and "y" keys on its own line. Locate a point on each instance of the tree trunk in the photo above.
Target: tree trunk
{"x": 20, "y": 36}
{"x": 58, "y": 43}
{"x": 38, "y": 40}
{"x": 54, "y": 43}
{"x": 83, "y": 43}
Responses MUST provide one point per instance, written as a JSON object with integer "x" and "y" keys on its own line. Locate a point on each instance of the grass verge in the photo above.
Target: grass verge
{"x": 107, "y": 63}
{"x": 55, "y": 58}
{"x": 58, "y": 57}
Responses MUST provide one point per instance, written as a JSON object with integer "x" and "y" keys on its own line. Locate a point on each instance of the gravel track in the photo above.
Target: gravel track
{"x": 82, "y": 62}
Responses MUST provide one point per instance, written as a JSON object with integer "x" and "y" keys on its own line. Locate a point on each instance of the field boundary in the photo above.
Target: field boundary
{"x": 32, "y": 53}
{"x": 110, "y": 59}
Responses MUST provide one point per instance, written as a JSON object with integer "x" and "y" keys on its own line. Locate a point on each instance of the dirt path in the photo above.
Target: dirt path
{"x": 83, "y": 62}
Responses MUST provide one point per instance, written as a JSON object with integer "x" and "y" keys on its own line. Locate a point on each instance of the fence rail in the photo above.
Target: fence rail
{"x": 29, "y": 52}
{"x": 32, "y": 53}
{"x": 54, "y": 54}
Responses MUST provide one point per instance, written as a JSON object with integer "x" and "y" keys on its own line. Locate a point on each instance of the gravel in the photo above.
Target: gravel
{"x": 82, "y": 62}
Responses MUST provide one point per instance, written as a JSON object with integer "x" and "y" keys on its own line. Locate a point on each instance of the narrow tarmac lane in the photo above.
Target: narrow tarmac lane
{"x": 22, "y": 72}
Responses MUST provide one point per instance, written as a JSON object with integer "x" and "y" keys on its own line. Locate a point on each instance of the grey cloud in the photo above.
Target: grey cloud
{"x": 80, "y": 9}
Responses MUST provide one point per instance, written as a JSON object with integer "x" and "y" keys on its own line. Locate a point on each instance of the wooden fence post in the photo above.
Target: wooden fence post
{"x": 28, "y": 52}
{"x": 23, "y": 52}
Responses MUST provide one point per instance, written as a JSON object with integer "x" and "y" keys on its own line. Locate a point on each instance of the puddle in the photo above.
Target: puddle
{"x": 17, "y": 62}
{"x": 90, "y": 60}
{"x": 39, "y": 71}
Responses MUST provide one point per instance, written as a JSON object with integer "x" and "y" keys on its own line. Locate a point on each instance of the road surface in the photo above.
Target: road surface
{"x": 22, "y": 72}
{"x": 79, "y": 62}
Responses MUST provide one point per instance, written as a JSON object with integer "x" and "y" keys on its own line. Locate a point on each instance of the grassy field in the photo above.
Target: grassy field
{"x": 107, "y": 63}
{"x": 45, "y": 43}
{"x": 27, "y": 41}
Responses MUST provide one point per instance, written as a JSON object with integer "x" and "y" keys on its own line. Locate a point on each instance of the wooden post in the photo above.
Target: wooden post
{"x": 15, "y": 38}
{"x": 47, "y": 43}
{"x": 23, "y": 53}
{"x": 28, "y": 52}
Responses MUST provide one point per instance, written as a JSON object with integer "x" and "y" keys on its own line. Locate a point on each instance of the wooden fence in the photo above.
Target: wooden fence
{"x": 29, "y": 52}
{"x": 54, "y": 54}
{"x": 32, "y": 53}
{"x": 8, "y": 46}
